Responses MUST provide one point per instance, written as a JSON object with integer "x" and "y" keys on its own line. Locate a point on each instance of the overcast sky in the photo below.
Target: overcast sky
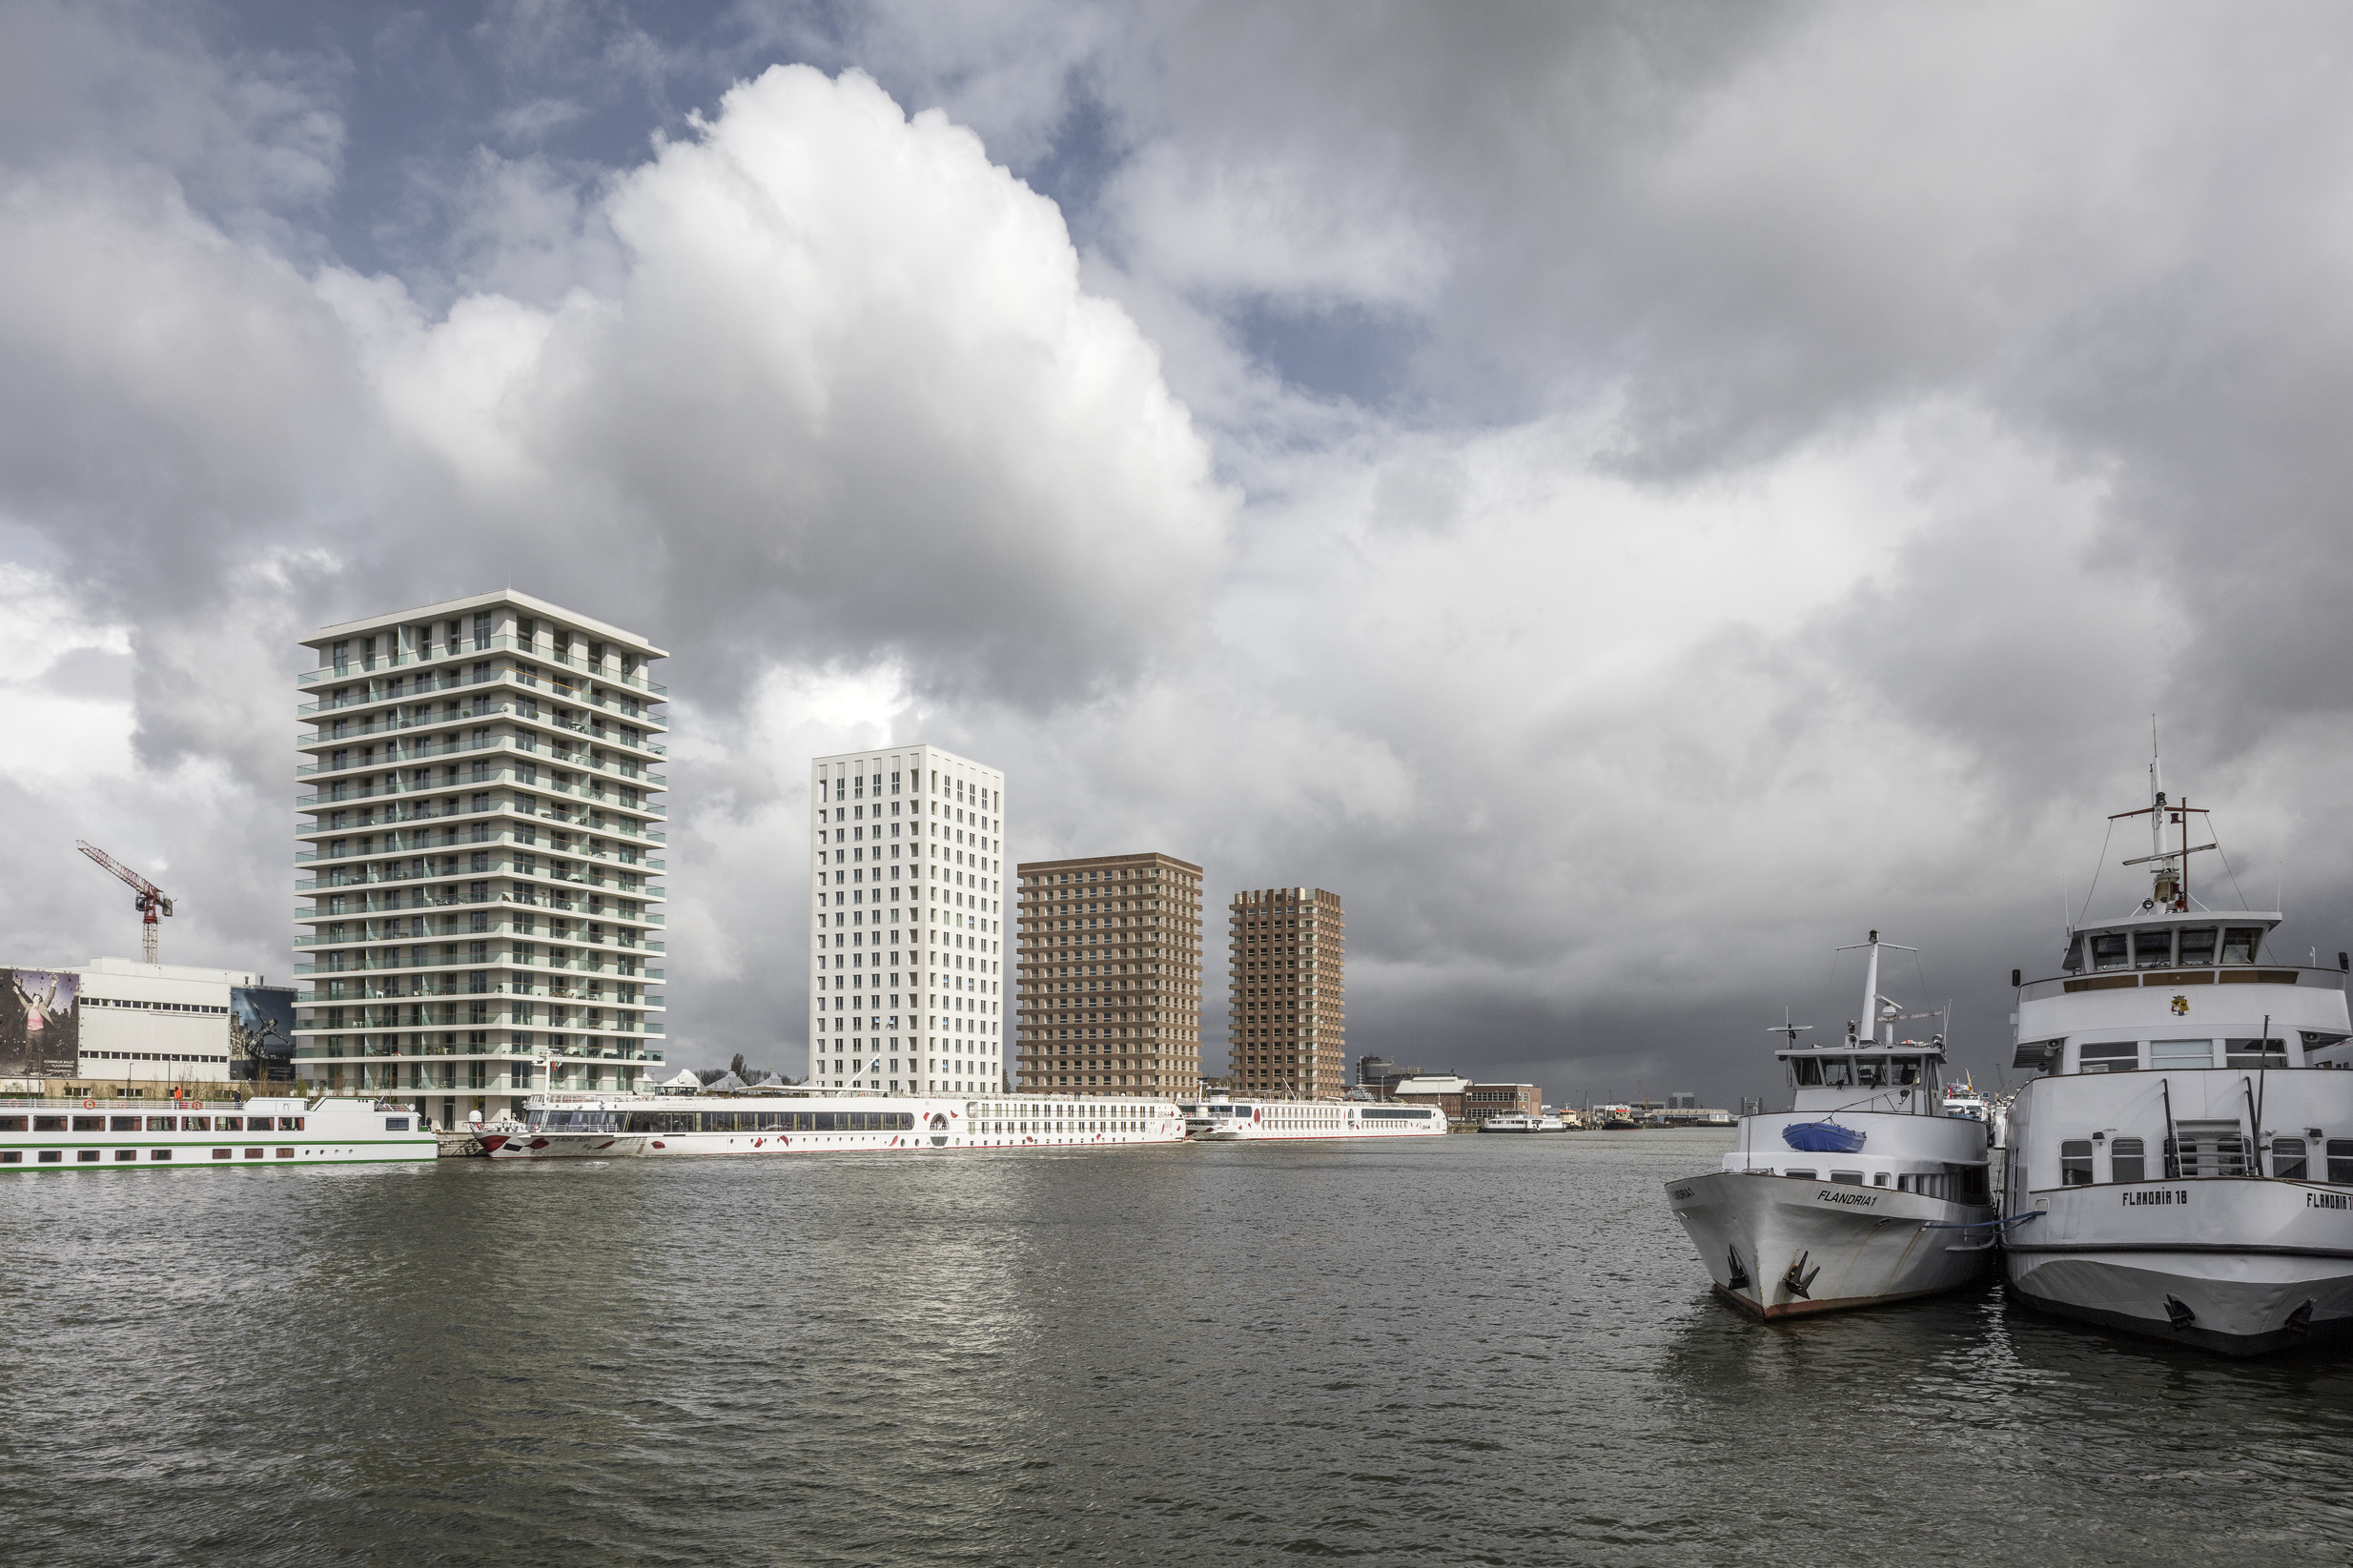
{"x": 1629, "y": 497}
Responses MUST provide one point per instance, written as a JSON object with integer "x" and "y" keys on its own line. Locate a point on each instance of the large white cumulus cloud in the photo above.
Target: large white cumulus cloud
{"x": 846, "y": 404}
{"x": 849, "y": 400}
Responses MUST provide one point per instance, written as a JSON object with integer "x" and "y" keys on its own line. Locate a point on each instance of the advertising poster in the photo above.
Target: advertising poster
{"x": 261, "y": 1021}
{"x": 40, "y": 1025}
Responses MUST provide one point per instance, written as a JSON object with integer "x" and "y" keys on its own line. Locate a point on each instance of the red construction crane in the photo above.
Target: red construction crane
{"x": 150, "y": 903}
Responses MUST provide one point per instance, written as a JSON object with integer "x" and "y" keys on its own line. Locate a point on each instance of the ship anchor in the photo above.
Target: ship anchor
{"x": 1740, "y": 1280}
{"x": 1800, "y": 1278}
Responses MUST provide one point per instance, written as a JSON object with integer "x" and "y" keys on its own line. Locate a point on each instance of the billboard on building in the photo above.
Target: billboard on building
{"x": 41, "y": 1024}
{"x": 261, "y": 1021}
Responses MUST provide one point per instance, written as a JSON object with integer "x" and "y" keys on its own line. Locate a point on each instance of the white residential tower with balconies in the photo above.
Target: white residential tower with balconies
{"x": 907, "y": 944}
{"x": 481, "y": 833}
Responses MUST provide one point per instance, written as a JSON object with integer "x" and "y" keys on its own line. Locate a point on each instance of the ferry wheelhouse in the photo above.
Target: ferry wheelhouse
{"x": 1219, "y": 1118}
{"x": 2183, "y": 1157}
{"x": 614, "y": 1126}
{"x": 1863, "y": 1193}
{"x": 148, "y": 1136}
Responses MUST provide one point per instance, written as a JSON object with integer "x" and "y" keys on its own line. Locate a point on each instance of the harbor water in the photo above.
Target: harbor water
{"x": 1464, "y": 1350}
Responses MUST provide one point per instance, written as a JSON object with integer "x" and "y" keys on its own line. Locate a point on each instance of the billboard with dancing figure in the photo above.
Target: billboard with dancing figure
{"x": 261, "y": 1021}
{"x": 41, "y": 1024}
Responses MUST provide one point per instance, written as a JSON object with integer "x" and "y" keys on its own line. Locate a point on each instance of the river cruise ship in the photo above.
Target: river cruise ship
{"x": 2181, "y": 1163}
{"x": 1219, "y": 1118}
{"x": 665, "y": 1126}
{"x": 1863, "y": 1193}
{"x": 148, "y": 1136}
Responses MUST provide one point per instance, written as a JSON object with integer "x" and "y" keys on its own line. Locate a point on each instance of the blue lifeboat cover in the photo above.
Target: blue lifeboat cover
{"x": 1822, "y": 1139}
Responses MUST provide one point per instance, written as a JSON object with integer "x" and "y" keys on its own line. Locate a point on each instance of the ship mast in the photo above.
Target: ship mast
{"x": 1872, "y": 1017}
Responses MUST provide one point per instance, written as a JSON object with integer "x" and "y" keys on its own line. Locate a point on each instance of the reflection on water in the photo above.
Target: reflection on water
{"x": 1475, "y": 1349}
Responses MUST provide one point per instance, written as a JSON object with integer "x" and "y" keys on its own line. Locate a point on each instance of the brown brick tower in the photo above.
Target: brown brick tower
{"x": 1287, "y": 1016}
{"x": 1109, "y": 974}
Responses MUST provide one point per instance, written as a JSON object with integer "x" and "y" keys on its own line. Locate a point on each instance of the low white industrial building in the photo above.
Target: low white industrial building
{"x": 116, "y": 1026}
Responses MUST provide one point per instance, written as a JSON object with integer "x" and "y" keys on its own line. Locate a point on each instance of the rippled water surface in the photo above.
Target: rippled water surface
{"x": 1469, "y": 1349}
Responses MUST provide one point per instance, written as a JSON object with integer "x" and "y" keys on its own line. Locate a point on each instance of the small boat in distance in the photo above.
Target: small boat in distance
{"x": 1862, "y": 1194}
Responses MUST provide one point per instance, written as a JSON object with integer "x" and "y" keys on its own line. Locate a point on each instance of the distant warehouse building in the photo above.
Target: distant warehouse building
{"x": 122, "y": 1028}
{"x": 1481, "y": 1101}
{"x": 1442, "y": 1089}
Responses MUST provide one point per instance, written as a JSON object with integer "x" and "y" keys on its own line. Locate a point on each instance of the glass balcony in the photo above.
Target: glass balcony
{"x": 475, "y": 648}
{"x": 393, "y": 723}
{"x": 507, "y": 773}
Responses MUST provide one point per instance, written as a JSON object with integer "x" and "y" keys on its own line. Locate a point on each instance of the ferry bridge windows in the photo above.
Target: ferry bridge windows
{"x": 2288, "y": 1159}
{"x": 2073, "y": 961}
{"x": 2341, "y": 1161}
{"x": 2180, "y": 1054}
{"x": 2108, "y": 951}
{"x": 2255, "y": 1053}
{"x": 2127, "y": 1161}
{"x": 1869, "y": 1073}
{"x": 2198, "y": 946}
{"x": 1907, "y": 1070}
{"x": 2240, "y": 942}
{"x": 2108, "y": 1057}
{"x": 2076, "y": 1162}
{"x": 2153, "y": 949}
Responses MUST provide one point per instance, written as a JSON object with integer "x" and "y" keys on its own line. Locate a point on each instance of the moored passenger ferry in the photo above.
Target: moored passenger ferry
{"x": 2180, "y": 1165}
{"x": 1863, "y": 1193}
{"x": 145, "y": 1136}
{"x": 612, "y": 1126}
{"x": 1219, "y": 1118}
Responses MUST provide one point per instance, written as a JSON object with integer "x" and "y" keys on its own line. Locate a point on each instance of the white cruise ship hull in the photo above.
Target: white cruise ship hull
{"x": 671, "y": 1126}
{"x": 267, "y": 1130}
{"x": 1220, "y": 1119}
{"x": 2239, "y": 1265}
{"x": 1790, "y": 1246}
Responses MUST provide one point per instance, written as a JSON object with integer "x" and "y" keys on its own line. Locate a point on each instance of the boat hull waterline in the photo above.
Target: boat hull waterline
{"x": 2283, "y": 1277}
{"x": 1783, "y": 1246}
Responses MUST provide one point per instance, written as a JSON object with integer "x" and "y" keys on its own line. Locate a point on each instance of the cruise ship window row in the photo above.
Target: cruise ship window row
{"x": 110, "y": 1123}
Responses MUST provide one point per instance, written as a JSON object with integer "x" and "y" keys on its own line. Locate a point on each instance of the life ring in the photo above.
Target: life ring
{"x": 89, "y": 1105}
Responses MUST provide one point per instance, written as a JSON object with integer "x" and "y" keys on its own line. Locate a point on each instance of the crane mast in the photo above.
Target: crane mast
{"x": 151, "y": 902}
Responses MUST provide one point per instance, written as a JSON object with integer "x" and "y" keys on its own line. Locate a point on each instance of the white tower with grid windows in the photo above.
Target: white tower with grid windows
{"x": 906, "y": 937}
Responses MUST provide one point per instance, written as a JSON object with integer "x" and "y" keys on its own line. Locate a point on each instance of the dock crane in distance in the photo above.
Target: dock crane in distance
{"x": 151, "y": 902}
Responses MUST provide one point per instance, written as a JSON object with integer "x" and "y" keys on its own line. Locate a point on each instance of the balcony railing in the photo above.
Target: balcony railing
{"x": 646, "y": 865}
{"x": 366, "y": 874}
{"x": 621, "y": 941}
{"x": 472, "y": 648}
{"x": 395, "y": 756}
{"x": 388, "y": 723}
{"x": 482, "y": 774}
